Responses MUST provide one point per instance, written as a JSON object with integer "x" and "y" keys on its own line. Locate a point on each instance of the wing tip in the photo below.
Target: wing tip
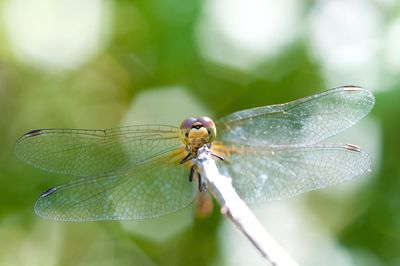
{"x": 365, "y": 93}
{"x": 366, "y": 157}
{"x": 352, "y": 147}
{"x": 33, "y": 133}
{"x": 352, "y": 88}
{"x": 356, "y": 88}
{"x": 17, "y": 147}
{"x": 41, "y": 211}
{"x": 48, "y": 192}
{"x": 30, "y": 134}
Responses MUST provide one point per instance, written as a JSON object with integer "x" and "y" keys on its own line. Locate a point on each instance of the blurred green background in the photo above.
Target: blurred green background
{"x": 101, "y": 64}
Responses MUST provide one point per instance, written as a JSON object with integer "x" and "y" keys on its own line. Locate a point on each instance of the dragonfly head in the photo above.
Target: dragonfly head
{"x": 197, "y": 131}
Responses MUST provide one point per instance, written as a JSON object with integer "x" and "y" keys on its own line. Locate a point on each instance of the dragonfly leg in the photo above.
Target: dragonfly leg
{"x": 218, "y": 156}
{"x": 192, "y": 170}
{"x": 215, "y": 155}
{"x": 188, "y": 157}
{"x": 202, "y": 183}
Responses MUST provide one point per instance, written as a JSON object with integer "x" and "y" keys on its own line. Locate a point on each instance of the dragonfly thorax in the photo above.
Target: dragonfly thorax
{"x": 196, "y": 132}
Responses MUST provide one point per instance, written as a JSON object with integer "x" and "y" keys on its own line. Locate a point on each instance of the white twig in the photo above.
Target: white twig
{"x": 237, "y": 211}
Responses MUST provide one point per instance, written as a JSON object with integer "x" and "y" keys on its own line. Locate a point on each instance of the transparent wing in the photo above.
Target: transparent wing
{"x": 80, "y": 152}
{"x": 263, "y": 174}
{"x": 146, "y": 191}
{"x": 305, "y": 121}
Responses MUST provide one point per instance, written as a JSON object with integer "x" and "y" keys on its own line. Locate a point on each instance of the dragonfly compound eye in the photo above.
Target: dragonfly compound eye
{"x": 197, "y": 123}
{"x": 209, "y": 125}
{"x": 185, "y": 127}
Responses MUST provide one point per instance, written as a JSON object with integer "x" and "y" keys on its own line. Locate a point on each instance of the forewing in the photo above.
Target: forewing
{"x": 262, "y": 174}
{"x": 146, "y": 191}
{"x": 305, "y": 121}
{"x": 80, "y": 152}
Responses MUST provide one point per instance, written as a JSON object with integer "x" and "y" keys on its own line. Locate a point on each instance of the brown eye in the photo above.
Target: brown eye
{"x": 209, "y": 125}
{"x": 187, "y": 123}
{"x": 206, "y": 121}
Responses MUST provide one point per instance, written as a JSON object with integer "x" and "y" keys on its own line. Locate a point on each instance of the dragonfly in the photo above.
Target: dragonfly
{"x": 144, "y": 171}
